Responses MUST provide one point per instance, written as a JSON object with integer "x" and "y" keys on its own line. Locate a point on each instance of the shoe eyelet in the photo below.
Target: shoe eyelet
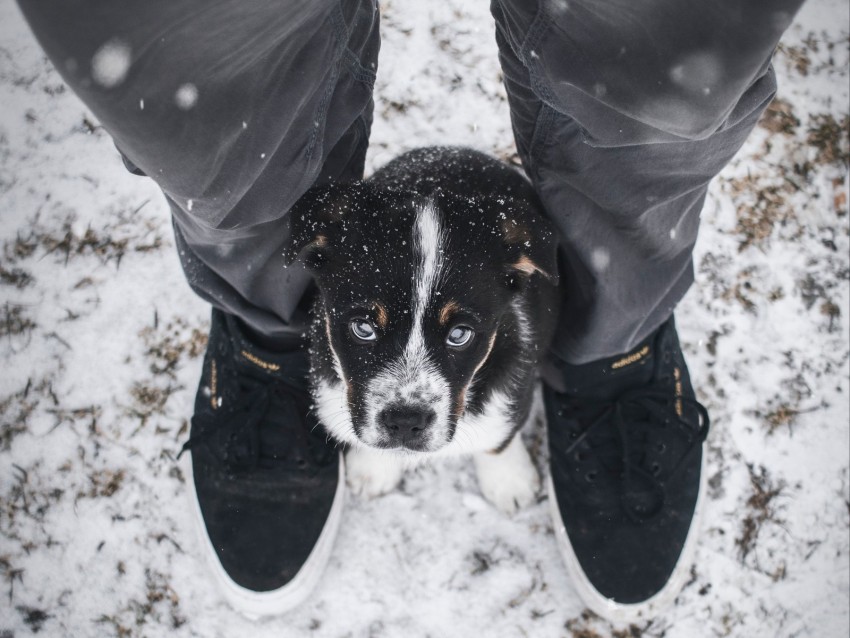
{"x": 661, "y": 448}
{"x": 590, "y": 477}
{"x": 580, "y": 456}
{"x": 655, "y": 468}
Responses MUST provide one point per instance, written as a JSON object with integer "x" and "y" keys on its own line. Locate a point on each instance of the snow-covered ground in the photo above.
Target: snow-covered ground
{"x": 100, "y": 344}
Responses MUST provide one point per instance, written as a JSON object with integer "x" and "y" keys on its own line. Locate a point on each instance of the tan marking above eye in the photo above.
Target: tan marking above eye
{"x": 447, "y": 311}
{"x": 381, "y": 314}
{"x": 319, "y": 242}
{"x": 527, "y": 267}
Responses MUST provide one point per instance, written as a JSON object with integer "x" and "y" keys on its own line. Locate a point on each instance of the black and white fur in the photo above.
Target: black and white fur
{"x": 436, "y": 300}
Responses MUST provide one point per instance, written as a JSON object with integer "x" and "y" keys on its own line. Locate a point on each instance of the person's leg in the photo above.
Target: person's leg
{"x": 622, "y": 113}
{"x": 236, "y": 108}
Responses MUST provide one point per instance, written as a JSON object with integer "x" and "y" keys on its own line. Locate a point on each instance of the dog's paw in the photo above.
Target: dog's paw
{"x": 508, "y": 479}
{"x": 371, "y": 473}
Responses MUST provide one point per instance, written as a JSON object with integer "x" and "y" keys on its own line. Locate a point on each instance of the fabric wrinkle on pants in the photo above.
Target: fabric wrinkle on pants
{"x": 622, "y": 113}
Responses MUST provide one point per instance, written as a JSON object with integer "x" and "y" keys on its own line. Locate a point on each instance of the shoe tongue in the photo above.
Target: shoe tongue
{"x": 269, "y": 425}
{"x": 608, "y": 378}
{"x": 285, "y": 376}
{"x": 278, "y": 434}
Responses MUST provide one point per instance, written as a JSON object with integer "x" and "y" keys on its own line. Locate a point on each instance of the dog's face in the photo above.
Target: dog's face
{"x": 412, "y": 296}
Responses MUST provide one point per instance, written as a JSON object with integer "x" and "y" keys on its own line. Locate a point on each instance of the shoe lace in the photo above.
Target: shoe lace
{"x": 233, "y": 434}
{"x": 660, "y": 411}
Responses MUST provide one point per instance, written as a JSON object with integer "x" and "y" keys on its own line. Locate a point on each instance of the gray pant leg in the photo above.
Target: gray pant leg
{"x": 623, "y": 112}
{"x": 235, "y": 108}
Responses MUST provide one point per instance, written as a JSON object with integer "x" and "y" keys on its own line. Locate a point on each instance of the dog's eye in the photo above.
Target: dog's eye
{"x": 459, "y": 336}
{"x": 362, "y": 330}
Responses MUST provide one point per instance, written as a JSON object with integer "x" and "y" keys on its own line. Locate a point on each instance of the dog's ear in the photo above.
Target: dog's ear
{"x": 529, "y": 239}
{"x": 313, "y": 224}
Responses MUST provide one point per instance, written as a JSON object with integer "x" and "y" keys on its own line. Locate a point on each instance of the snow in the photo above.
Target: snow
{"x": 600, "y": 258}
{"x": 110, "y": 63}
{"x": 698, "y": 72}
{"x": 186, "y": 96}
{"x": 101, "y": 341}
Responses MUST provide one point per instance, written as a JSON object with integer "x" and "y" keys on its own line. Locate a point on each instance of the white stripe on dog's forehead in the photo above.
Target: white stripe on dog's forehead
{"x": 427, "y": 244}
{"x": 427, "y": 248}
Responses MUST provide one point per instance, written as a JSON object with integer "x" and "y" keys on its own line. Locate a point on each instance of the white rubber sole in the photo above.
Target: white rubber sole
{"x": 650, "y": 608}
{"x": 254, "y": 604}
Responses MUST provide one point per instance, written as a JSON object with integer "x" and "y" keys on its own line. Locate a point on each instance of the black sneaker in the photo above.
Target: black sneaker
{"x": 268, "y": 487}
{"x": 626, "y": 451}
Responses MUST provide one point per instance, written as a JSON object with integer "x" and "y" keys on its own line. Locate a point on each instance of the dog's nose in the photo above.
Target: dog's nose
{"x": 405, "y": 425}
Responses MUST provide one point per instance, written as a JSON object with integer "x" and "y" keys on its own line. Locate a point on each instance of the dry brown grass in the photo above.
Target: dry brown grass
{"x": 762, "y": 509}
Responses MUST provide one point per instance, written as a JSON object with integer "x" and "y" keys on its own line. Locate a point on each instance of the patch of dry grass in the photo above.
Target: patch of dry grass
{"x": 762, "y": 509}
{"x": 109, "y": 243}
{"x": 14, "y": 321}
{"x": 16, "y": 409}
{"x": 167, "y": 346}
{"x": 765, "y": 198}
{"x": 830, "y": 138}
{"x": 160, "y": 605}
{"x": 589, "y": 625}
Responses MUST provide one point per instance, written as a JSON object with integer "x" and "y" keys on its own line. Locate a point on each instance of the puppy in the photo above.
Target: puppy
{"x": 436, "y": 300}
